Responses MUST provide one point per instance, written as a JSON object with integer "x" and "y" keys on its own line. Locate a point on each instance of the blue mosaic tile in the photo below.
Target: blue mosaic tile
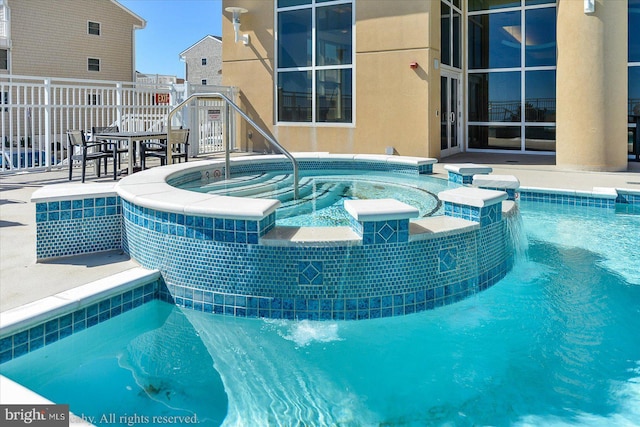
{"x": 566, "y": 199}
{"x": 53, "y": 330}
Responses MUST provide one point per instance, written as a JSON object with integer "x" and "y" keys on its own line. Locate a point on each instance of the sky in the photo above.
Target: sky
{"x": 172, "y": 26}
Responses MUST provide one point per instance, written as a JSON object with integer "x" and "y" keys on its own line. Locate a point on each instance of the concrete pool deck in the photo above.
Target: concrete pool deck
{"x": 22, "y": 280}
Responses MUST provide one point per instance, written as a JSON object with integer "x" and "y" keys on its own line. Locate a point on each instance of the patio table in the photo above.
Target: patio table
{"x": 131, "y": 138}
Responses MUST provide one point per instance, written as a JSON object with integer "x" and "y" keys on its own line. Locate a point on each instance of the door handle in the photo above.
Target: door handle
{"x": 452, "y": 117}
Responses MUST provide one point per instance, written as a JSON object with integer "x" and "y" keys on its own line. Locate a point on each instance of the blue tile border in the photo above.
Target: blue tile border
{"x": 561, "y": 198}
{"x": 55, "y": 329}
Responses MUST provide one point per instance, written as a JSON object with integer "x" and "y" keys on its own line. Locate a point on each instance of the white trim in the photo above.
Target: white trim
{"x": 208, "y": 36}
{"x": 99, "y": 64}
{"x": 99, "y": 28}
{"x": 143, "y": 23}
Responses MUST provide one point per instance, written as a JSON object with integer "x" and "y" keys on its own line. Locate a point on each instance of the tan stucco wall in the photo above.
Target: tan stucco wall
{"x": 592, "y": 86}
{"x": 394, "y": 105}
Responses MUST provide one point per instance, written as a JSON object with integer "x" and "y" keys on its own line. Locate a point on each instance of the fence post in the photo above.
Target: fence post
{"x": 47, "y": 125}
{"x": 119, "y": 105}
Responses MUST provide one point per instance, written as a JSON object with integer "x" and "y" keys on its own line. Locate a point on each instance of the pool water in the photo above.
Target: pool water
{"x": 553, "y": 343}
{"x": 148, "y": 362}
{"x": 320, "y": 202}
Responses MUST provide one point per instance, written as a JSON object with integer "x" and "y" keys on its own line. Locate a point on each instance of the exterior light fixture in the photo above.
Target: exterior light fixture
{"x": 413, "y": 65}
{"x": 237, "y": 11}
{"x": 589, "y": 6}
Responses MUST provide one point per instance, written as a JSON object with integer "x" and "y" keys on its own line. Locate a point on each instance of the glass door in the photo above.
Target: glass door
{"x": 451, "y": 113}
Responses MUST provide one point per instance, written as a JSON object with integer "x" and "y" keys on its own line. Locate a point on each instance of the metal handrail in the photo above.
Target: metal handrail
{"x": 229, "y": 102}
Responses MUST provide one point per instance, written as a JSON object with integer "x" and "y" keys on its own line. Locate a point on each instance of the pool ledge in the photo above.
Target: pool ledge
{"x": 54, "y": 306}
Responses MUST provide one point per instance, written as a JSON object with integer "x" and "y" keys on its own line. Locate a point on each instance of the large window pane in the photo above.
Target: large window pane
{"x": 634, "y": 30}
{"x": 333, "y": 34}
{"x": 634, "y": 91}
{"x": 445, "y": 40}
{"x": 334, "y": 96}
{"x": 540, "y": 96}
{"x": 491, "y": 4}
{"x": 457, "y": 51}
{"x": 294, "y": 38}
{"x": 540, "y": 40}
{"x": 540, "y": 138}
{"x": 288, "y": 3}
{"x": 494, "y": 40}
{"x": 294, "y": 96}
{"x": 495, "y": 137}
{"x": 494, "y": 97}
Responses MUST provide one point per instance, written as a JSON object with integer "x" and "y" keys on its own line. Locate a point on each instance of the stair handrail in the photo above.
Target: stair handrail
{"x": 229, "y": 102}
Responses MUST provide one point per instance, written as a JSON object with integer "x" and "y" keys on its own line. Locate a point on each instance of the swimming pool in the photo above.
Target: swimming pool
{"x": 553, "y": 343}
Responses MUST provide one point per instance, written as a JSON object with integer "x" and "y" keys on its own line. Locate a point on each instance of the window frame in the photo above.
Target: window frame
{"x": 522, "y": 68}
{"x": 89, "y": 65}
{"x": 99, "y": 33}
{"x": 313, "y": 68}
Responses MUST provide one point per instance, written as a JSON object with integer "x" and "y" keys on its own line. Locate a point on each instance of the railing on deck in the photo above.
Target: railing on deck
{"x": 224, "y": 116}
{"x": 36, "y": 112}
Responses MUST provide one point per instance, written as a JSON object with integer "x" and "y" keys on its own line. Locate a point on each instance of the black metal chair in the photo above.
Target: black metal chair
{"x": 120, "y": 148}
{"x": 175, "y": 147}
{"x": 88, "y": 152}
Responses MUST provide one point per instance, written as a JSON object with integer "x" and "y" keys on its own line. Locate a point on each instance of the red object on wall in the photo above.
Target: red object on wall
{"x": 162, "y": 98}
{"x": 413, "y": 65}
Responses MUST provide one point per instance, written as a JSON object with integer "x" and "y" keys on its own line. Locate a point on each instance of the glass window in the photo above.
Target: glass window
{"x": 93, "y": 64}
{"x": 540, "y": 96}
{"x": 634, "y": 90}
{"x": 294, "y": 96}
{"x": 314, "y": 81}
{"x": 634, "y": 30}
{"x": 4, "y": 59}
{"x": 494, "y": 40}
{"x": 288, "y": 3}
{"x": 540, "y": 40}
{"x": 445, "y": 39}
{"x": 94, "y": 28}
{"x": 494, "y": 97}
{"x": 535, "y": 2}
{"x": 450, "y": 52}
{"x": 333, "y": 94}
{"x": 456, "y": 32}
{"x": 204, "y": 61}
{"x": 294, "y": 38}
{"x": 333, "y": 35}
{"x": 540, "y": 138}
{"x": 502, "y": 137}
{"x": 203, "y": 82}
{"x": 475, "y": 5}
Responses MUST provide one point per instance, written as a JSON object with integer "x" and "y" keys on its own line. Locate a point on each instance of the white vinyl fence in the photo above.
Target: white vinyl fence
{"x": 37, "y": 112}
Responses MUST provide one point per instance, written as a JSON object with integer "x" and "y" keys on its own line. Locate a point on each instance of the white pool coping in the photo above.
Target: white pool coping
{"x": 25, "y": 316}
{"x": 477, "y": 197}
{"x": 380, "y": 210}
{"x": 467, "y": 169}
{"x": 496, "y": 181}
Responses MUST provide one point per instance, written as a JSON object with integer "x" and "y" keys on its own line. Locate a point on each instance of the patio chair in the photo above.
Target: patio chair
{"x": 120, "y": 149}
{"x": 88, "y": 151}
{"x": 176, "y": 147}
